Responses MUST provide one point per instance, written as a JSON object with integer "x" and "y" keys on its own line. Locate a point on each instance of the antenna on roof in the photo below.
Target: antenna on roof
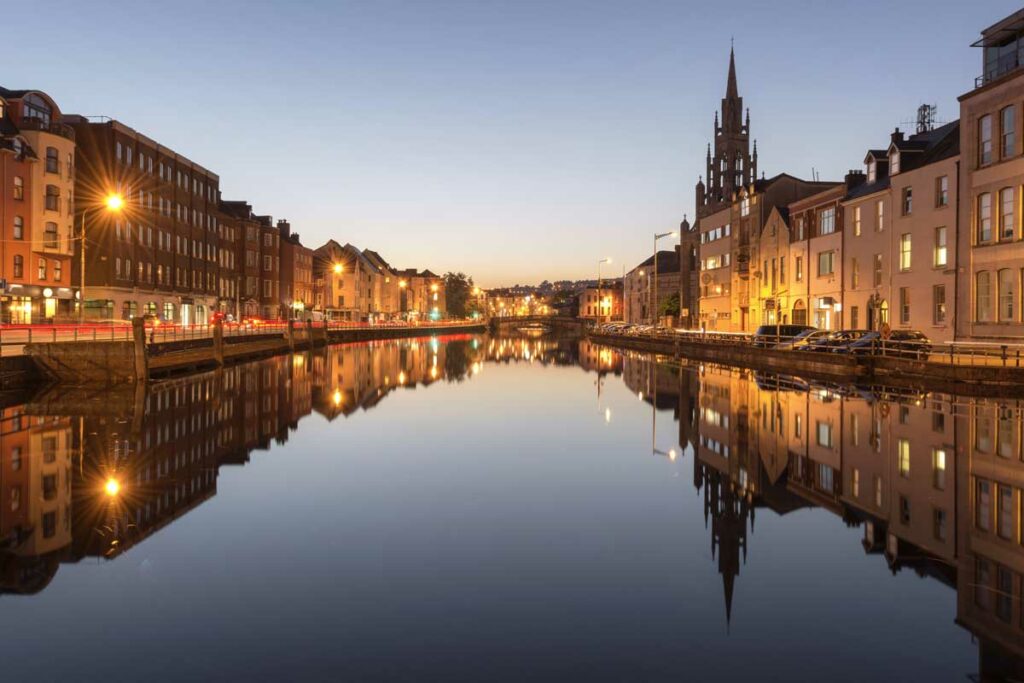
{"x": 926, "y": 120}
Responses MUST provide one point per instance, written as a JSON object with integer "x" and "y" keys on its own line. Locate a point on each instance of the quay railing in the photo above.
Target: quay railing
{"x": 14, "y": 337}
{"x": 960, "y": 353}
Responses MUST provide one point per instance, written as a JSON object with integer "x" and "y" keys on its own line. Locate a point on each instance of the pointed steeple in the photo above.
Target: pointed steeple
{"x": 731, "y": 89}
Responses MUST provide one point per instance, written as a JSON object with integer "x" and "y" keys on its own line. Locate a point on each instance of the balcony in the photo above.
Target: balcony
{"x": 1003, "y": 66}
{"x": 60, "y": 129}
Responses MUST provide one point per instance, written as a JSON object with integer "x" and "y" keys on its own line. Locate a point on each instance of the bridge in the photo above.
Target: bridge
{"x": 552, "y": 322}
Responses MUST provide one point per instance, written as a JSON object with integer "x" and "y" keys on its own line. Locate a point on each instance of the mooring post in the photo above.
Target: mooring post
{"x": 141, "y": 353}
{"x": 218, "y": 342}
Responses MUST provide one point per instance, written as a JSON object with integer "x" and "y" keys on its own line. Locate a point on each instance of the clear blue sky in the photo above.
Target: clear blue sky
{"x": 515, "y": 140}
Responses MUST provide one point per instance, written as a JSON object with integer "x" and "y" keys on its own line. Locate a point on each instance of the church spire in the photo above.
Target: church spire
{"x": 731, "y": 89}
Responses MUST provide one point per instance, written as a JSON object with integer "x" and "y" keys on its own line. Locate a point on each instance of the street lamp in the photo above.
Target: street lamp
{"x": 653, "y": 288}
{"x": 607, "y": 259}
{"x": 338, "y": 268}
{"x": 113, "y": 203}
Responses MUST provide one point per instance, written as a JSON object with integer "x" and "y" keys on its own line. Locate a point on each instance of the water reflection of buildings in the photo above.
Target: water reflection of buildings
{"x": 935, "y": 482}
{"x": 119, "y": 466}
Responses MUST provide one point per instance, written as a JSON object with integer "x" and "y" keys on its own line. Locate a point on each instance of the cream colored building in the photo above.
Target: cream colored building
{"x": 991, "y": 182}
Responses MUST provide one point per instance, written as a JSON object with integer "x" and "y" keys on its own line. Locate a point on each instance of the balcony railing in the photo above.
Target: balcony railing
{"x": 61, "y": 129}
{"x": 1003, "y": 66}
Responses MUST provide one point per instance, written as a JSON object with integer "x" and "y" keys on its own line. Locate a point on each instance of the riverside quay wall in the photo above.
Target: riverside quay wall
{"x": 986, "y": 376}
{"x": 140, "y": 358}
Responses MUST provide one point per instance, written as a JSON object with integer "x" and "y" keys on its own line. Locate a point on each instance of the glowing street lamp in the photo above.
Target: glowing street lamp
{"x": 338, "y": 268}
{"x": 112, "y": 487}
{"x": 607, "y": 259}
{"x": 115, "y": 204}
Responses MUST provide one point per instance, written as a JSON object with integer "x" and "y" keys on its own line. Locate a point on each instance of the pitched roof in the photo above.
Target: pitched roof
{"x": 668, "y": 261}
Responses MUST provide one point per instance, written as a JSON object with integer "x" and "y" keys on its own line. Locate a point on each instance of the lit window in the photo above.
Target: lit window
{"x": 940, "y": 254}
{"x": 905, "y": 252}
{"x": 985, "y": 140}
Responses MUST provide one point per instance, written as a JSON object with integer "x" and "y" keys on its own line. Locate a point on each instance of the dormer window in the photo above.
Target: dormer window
{"x": 872, "y": 170}
{"x": 894, "y": 162}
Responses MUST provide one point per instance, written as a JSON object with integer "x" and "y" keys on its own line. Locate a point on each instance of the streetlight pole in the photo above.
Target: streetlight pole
{"x": 653, "y": 296}
{"x": 114, "y": 203}
{"x": 599, "y": 300}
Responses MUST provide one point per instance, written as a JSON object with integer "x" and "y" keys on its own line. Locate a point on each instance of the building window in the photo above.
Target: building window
{"x": 940, "y": 253}
{"x": 939, "y": 468}
{"x": 19, "y": 266}
{"x": 267, "y": 261}
{"x": 745, "y": 206}
{"x": 903, "y": 449}
{"x": 19, "y": 187}
{"x": 983, "y": 505}
{"x": 905, "y": 305}
{"x": 908, "y": 200}
{"x": 877, "y": 271}
{"x": 939, "y": 304}
{"x": 984, "y": 217}
{"x": 42, "y": 269}
{"x": 827, "y": 222}
{"x": 1006, "y": 213}
{"x": 985, "y": 140}
{"x": 52, "y": 198}
{"x": 798, "y": 268}
{"x": 1008, "y": 131}
{"x": 825, "y": 263}
{"x": 939, "y": 524}
{"x": 854, "y": 274}
{"x": 824, "y": 430}
{"x": 879, "y": 215}
{"x": 855, "y": 317}
{"x": 58, "y": 270}
{"x": 942, "y": 191}
{"x": 19, "y": 228}
{"x": 52, "y": 160}
{"x": 905, "y": 253}
{"x": 856, "y": 221}
{"x": 872, "y": 171}
{"x": 50, "y": 238}
{"x": 894, "y": 162}
{"x": 1007, "y": 294}
{"x": 983, "y": 297}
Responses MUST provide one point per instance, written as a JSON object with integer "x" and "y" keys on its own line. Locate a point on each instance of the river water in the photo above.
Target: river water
{"x": 474, "y": 508}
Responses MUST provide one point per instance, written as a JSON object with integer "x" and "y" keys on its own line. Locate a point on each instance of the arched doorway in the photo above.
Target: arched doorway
{"x": 878, "y": 312}
{"x": 799, "y": 312}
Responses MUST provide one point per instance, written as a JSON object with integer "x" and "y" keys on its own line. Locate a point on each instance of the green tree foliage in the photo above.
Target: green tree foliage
{"x": 669, "y": 306}
{"x": 457, "y": 290}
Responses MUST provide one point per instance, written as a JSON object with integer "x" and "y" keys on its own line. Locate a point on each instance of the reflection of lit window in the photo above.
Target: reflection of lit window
{"x": 904, "y": 457}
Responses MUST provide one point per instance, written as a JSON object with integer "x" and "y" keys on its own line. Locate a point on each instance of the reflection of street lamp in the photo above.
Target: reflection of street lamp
{"x": 654, "y": 287}
{"x": 113, "y": 203}
{"x": 607, "y": 259}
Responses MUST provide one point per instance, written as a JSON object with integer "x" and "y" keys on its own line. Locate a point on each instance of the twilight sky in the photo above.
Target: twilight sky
{"x": 514, "y": 140}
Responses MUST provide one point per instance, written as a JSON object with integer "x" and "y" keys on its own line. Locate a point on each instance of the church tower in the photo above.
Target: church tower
{"x": 732, "y": 166}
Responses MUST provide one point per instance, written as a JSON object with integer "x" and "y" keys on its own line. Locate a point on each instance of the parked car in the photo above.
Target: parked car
{"x": 802, "y": 339}
{"x": 768, "y": 336}
{"x": 834, "y": 340}
{"x": 901, "y": 343}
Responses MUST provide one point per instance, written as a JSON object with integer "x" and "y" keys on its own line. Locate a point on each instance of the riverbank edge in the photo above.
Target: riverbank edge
{"x": 112, "y": 361}
{"x": 962, "y": 380}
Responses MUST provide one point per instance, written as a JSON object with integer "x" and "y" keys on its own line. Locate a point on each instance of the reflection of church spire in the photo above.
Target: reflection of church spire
{"x": 729, "y": 513}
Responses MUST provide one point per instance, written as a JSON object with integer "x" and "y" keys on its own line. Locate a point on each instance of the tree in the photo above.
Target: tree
{"x": 669, "y": 305}
{"x": 457, "y": 288}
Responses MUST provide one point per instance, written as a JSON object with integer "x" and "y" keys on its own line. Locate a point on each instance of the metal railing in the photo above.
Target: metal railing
{"x": 14, "y": 337}
{"x": 959, "y": 353}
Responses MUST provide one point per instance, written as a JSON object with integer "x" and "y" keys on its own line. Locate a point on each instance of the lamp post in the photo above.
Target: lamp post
{"x": 113, "y": 203}
{"x": 604, "y": 260}
{"x": 654, "y": 285}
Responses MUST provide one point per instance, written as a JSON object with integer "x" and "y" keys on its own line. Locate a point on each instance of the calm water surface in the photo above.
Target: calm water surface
{"x": 508, "y": 509}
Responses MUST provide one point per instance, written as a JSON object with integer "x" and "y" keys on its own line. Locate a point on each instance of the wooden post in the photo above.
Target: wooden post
{"x": 141, "y": 355}
{"x": 218, "y": 342}
{"x": 291, "y": 335}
